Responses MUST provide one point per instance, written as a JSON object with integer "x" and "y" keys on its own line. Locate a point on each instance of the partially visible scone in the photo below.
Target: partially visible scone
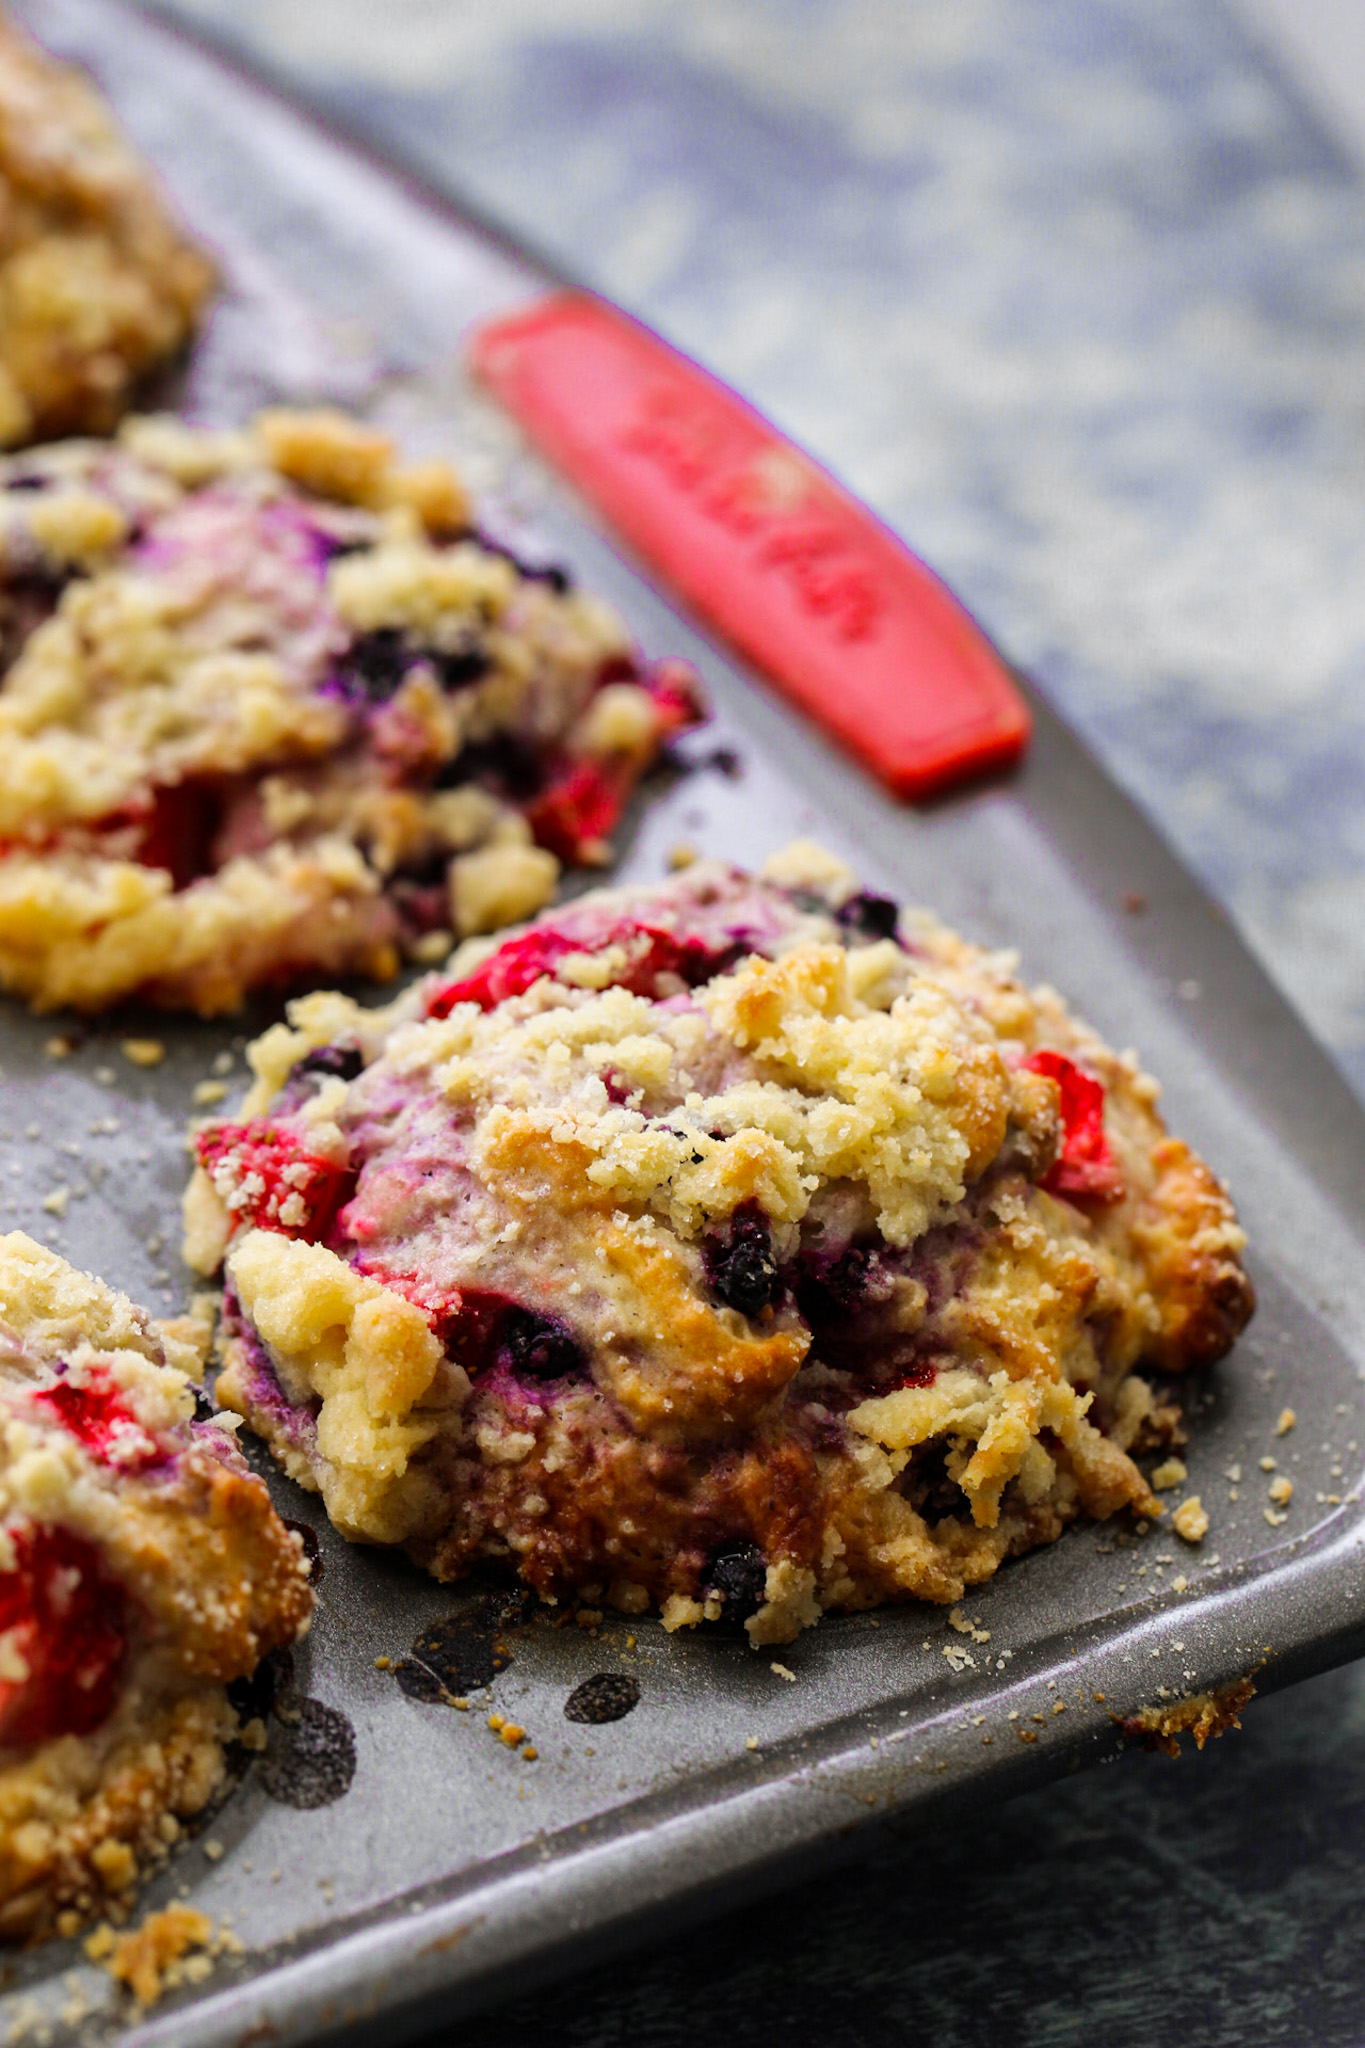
{"x": 271, "y": 711}
{"x": 142, "y": 1568}
{"x": 730, "y": 1244}
{"x": 98, "y": 283}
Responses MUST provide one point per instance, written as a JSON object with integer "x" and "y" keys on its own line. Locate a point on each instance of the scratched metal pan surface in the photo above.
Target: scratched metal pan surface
{"x": 451, "y": 1869}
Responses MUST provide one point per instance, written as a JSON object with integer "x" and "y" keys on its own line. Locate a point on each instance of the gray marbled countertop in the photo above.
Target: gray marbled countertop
{"x": 1073, "y": 292}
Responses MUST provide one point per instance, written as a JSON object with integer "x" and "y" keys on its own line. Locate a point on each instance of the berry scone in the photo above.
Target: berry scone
{"x": 271, "y": 710}
{"x": 99, "y": 286}
{"x": 736, "y": 1244}
{"x": 142, "y": 1568}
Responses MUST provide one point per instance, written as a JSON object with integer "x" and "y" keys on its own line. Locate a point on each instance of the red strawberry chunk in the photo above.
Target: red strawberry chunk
{"x": 1085, "y": 1165}
{"x": 94, "y": 1412}
{"x": 510, "y": 971}
{"x": 678, "y": 701}
{"x": 65, "y": 1620}
{"x": 650, "y": 951}
{"x": 267, "y": 1177}
{"x": 179, "y": 829}
{"x": 921, "y": 1372}
{"x": 576, "y": 813}
{"x": 439, "y": 1302}
{"x": 574, "y": 817}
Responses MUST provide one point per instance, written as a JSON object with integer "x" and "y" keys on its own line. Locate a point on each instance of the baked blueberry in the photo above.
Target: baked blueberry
{"x": 737, "y": 1575}
{"x": 342, "y": 1061}
{"x": 870, "y": 917}
{"x": 540, "y": 1346}
{"x": 741, "y": 1267}
{"x": 378, "y": 661}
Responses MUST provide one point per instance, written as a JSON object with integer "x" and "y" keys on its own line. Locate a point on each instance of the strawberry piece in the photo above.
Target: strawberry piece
{"x": 179, "y": 829}
{"x": 576, "y": 813}
{"x": 574, "y": 817}
{"x": 1085, "y": 1166}
{"x": 268, "y": 1179}
{"x": 439, "y": 1302}
{"x": 678, "y": 700}
{"x": 508, "y": 972}
{"x": 66, "y": 1620}
{"x": 650, "y": 951}
{"x": 94, "y": 1412}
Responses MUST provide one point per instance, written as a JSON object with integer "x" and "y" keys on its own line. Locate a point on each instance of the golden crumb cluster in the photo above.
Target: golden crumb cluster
{"x": 98, "y": 284}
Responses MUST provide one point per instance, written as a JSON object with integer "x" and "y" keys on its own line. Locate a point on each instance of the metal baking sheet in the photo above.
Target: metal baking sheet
{"x": 452, "y": 1870}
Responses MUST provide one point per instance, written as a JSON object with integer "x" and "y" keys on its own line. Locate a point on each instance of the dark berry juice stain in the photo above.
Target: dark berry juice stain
{"x": 606, "y": 1696}
{"x": 462, "y": 1651}
{"x": 312, "y": 1549}
{"x": 312, "y": 1756}
{"x": 272, "y": 1679}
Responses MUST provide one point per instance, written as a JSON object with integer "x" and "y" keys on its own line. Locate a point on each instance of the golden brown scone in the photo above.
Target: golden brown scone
{"x": 142, "y": 1568}
{"x": 99, "y": 285}
{"x": 733, "y": 1244}
{"x": 272, "y": 712}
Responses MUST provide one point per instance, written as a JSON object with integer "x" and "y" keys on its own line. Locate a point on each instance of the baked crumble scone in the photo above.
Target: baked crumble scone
{"x": 99, "y": 285}
{"x": 728, "y": 1243}
{"x": 142, "y": 1568}
{"x": 272, "y": 711}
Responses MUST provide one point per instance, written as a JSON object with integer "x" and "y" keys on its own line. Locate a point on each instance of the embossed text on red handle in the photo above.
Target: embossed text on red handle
{"x": 761, "y": 542}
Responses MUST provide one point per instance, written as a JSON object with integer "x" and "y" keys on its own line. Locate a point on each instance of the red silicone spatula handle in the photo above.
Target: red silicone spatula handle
{"x": 763, "y": 544}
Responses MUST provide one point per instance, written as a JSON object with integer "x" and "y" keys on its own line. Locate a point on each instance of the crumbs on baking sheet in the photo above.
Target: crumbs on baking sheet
{"x": 958, "y": 1620}
{"x": 143, "y": 1052}
{"x": 513, "y": 1734}
{"x": 177, "y": 1945}
{"x": 1203, "y": 1715}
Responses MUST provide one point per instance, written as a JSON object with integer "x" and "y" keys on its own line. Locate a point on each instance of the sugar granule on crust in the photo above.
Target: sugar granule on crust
{"x": 273, "y": 710}
{"x": 739, "y": 1245}
{"x": 142, "y": 1569}
{"x": 98, "y": 283}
